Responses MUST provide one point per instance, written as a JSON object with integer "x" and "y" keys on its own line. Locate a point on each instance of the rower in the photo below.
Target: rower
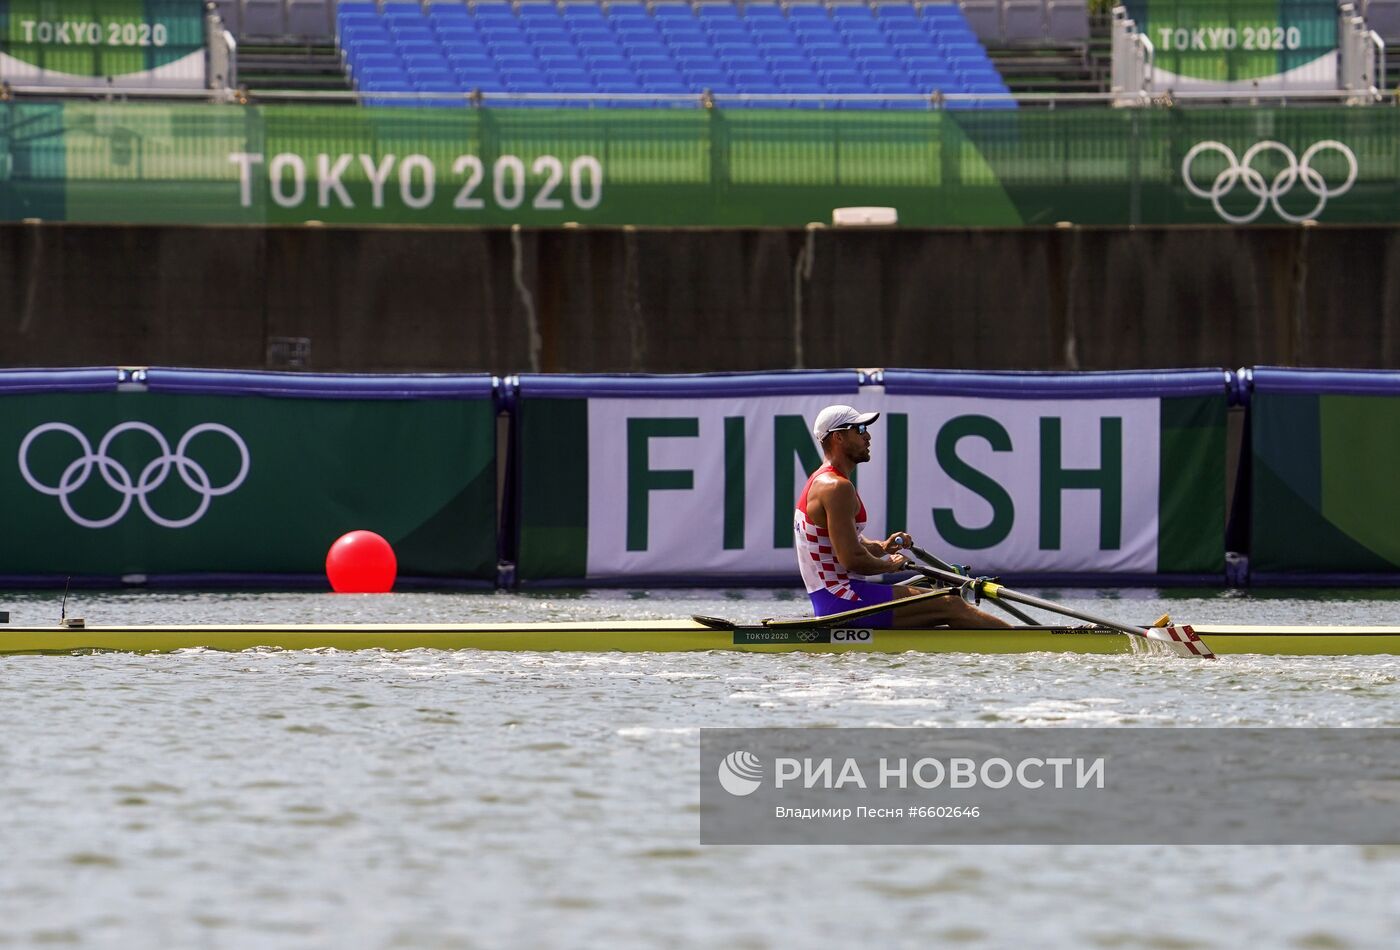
{"x": 833, "y": 555}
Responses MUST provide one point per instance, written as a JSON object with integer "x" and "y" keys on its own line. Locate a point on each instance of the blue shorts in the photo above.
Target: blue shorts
{"x": 824, "y": 602}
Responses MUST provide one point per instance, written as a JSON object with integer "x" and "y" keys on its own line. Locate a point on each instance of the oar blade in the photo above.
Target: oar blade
{"x": 1182, "y": 640}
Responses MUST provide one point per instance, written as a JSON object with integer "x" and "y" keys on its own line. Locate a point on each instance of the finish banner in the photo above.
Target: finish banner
{"x": 184, "y": 472}
{"x": 1240, "y": 44}
{"x": 117, "y": 43}
{"x": 138, "y": 163}
{"x": 1324, "y": 448}
{"x": 1119, "y": 475}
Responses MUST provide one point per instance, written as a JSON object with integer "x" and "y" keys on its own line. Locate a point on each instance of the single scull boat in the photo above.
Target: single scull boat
{"x": 664, "y": 636}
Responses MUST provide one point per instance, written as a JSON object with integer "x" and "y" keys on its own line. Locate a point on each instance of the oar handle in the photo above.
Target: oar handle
{"x": 938, "y": 562}
{"x": 943, "y": 565}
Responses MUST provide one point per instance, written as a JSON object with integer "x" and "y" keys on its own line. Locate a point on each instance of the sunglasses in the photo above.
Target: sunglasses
{"x": 860, "y": 429}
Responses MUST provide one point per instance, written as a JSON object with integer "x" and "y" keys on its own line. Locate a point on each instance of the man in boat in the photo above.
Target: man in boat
{"x": 833, "y": 554}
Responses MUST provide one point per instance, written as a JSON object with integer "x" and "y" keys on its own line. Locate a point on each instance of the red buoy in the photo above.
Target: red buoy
{"x": 361, "y": 562}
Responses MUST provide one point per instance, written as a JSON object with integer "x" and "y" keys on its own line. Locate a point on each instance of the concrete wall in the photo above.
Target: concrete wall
{"x": 594, "y": 300}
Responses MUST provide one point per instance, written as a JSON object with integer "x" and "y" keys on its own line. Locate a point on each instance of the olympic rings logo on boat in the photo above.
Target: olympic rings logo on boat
{"x": 1241, "y": 171}
{"x": 152, "y": 476}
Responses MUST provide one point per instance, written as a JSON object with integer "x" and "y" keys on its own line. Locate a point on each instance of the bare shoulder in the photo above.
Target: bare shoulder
{"x": 833, "y": 490}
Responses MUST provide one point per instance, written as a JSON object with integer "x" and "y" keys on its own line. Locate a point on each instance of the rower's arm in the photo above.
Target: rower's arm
{"x": 875, "y": 548}
{"x": 841, "y": 504}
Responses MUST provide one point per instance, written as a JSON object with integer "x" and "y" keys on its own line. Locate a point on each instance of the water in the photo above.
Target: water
{"x": 469, "y": 799}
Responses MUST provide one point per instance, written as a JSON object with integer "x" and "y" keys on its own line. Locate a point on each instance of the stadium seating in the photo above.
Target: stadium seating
{"x": 275, "y": 19}
{"x": 808, "y": 55}
{"x": 1028, "y": 22}
{"x": 1383, "y": 16}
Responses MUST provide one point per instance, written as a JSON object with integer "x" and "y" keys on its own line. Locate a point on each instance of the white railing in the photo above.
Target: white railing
{"x": 1131, "y": 67}
{"x": 1378, "y": 50}
{"x": 1360, "y": 57}
{"x": 222, "y": 74}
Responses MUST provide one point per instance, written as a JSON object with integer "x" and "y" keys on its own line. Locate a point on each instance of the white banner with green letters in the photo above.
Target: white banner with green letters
{"x": 1010, "y": 473}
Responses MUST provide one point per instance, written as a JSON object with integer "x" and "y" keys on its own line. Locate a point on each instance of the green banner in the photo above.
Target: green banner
{"x": 140, "y": 163}
{"x": 121, "y": 42}
{"x": 1324, "y": 493}
{"x": 154, "y": 483}
{"x": 1209, "y": 44}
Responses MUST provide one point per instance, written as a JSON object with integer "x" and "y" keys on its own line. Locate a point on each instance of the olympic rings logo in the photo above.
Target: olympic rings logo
{"x": 1295, "y": 170}
{"x": 115, "y": 474}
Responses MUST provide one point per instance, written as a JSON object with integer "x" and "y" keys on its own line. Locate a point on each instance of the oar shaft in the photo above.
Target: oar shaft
{"x": 998, "y": 592}
{"x": 1031, "y": 601}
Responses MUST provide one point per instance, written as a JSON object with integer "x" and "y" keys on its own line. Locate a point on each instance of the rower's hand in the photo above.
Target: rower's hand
{"x": 897, "y": 541}
{"x": 897, "y": 562}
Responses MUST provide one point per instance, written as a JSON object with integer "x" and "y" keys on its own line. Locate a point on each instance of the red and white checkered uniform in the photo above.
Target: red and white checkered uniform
{"x": 816, "y": 559}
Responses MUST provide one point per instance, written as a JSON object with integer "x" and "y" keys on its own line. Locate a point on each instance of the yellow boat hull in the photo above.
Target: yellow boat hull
{"x": 673, "y": 636}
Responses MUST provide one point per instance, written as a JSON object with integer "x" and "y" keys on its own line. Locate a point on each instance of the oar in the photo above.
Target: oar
{"x": 943, "y": 565}
{"x": 1182, "y": 640}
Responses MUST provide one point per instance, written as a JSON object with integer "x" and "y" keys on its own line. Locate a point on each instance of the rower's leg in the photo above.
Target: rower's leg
{"x": 949, "y": 611}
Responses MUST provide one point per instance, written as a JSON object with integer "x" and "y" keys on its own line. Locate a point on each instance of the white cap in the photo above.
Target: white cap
{"x": 836, "y": 417}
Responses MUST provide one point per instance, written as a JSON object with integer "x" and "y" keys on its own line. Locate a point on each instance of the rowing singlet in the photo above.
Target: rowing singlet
{"x": 815, "y": 557}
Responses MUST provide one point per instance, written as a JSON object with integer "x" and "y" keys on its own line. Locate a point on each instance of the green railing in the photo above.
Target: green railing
{"x": 676, "y": 167}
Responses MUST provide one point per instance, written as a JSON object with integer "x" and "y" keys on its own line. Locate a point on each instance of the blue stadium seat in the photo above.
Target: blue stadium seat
{"x": 431, "y": 72}
{"x": 852, "y": 12}
{"x": 419, "y": 48}
{"x": 663, "y": 12}
{"x": 569, "y": 77}
{"x": 471, "y": 61}
{"x": 375, "y": 61}
{"x": 548, "y": 34}
{"x": 436, "y": 77}
{"x": 462, "y": 42}
{"x": 448, "y": 12}
{"x": 537, "y": 10}
{"x": 361, "y": 21}
{"x": 556, "y": 49}
{"x": 673, "y": 48}
{"x": 906, "y": 33}
{"x": 623, "y": 12}
{"x": 727, "y": 30}
{"x": 354, "y": 31}
{"x": 375, "y": 47}
{"x": 685, "y": 37}
{"x": 896, "y": 11}
{"x": 583, "y": 13}
{"x": 402, "y": 11}
{"x": 595, "y": 36}
{"x": 411, "y": 30}
{"x": 612, "y": 78}
{"x": 756, "y": 12}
